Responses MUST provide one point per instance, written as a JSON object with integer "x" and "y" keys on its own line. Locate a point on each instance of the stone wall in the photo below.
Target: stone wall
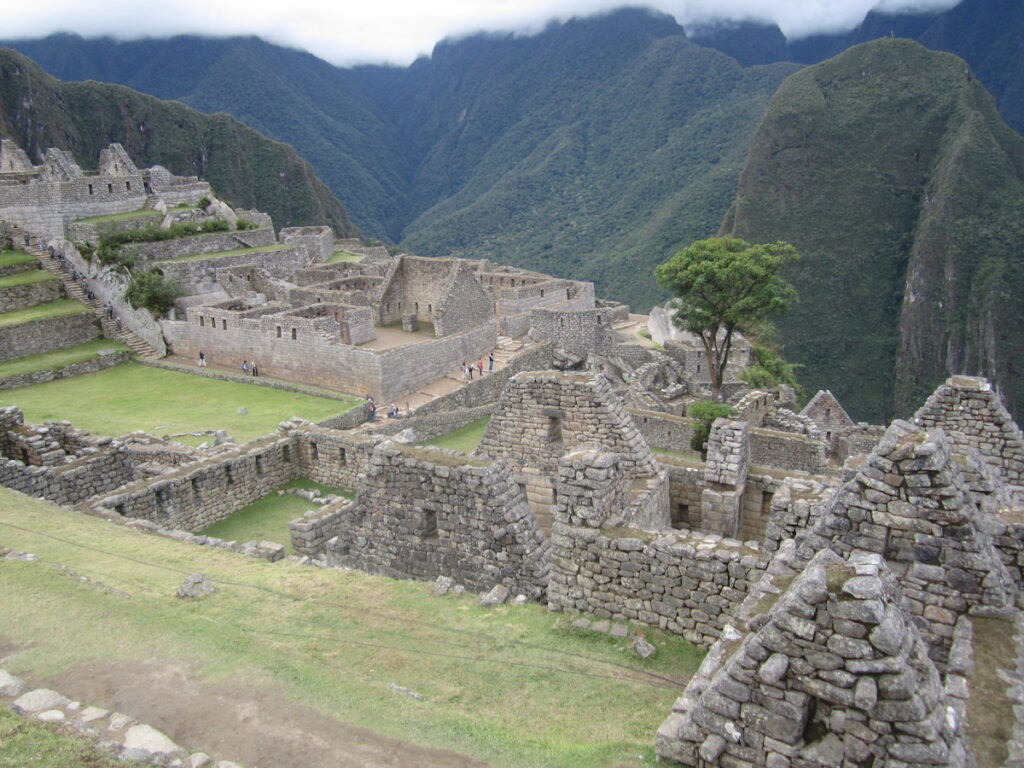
{"x": 422, "y": 513}
{"x": 199, "y": 494}
{"x": 663, "y": 430}
{"x": 787, "y": 451}
{"x": 334, "y": 458}
{"x": 831, "y": 672}
{"x": 211, "y": 242}
{"x": 465, "y": 306}
{"x": 311, "y": 532}
{"x": 29, "y": 294}
{"x": 103, "y": 361}
{"x": 279, "y": 263}
{"x": 316, "y": 360}
{"x": 909, "y": 502}
{"x": 971, "y": 414}
{"x": 48, "y": 334}
{"x": 684, "y": 583}
{"x": 542, "y": 415}
{"x": 579, "y": 332}
{"x": 319, "y": 241}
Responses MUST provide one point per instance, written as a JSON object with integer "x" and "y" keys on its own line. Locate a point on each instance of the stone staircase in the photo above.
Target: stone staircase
{"x": 506, "y": 349}
{"x": 113, "y": 328}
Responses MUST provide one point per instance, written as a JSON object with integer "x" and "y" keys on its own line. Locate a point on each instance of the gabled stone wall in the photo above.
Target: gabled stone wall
{"x": 971, "y": 414}
{"x": 421, "y": 513}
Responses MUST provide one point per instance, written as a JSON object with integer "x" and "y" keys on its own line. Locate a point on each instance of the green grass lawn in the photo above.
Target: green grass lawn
{"x": 26, "y": 743}
{"x": 58, "y": 358}
{"x": 268, "y": 518}
{"x": 58, "y": 308}
{"x": 235, "y": 252}
{"x": 132, "y": 396}
{"x": 24, "y": 278}
{"x": 344, "y": 256}
{"x": 7, "y": 258}
{"x": 464, "y": 439}
{"x": 511, "y": 685}
{"x": 141, "y": 214}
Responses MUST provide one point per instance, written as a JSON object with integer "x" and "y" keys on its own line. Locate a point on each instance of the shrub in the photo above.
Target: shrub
{"x": 153, "y": 291}
{"x": 704, "y": 414}
{"x": 244, "y": 224}
{"x": 769, "y": 370}
{"x": 203, "y": 202}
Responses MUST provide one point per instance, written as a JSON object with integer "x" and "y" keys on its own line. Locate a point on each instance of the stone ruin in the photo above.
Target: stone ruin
{"x": 836, "y": 571}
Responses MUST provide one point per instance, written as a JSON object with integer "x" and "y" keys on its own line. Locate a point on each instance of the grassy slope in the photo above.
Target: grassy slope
{"x": 132, "y": 397}
{"x": 59, "y": 358}
{"x": 246, "y": 168}
{"x": 30, "y": 744}
{"x": 509, "y": 697}
{"x": 7, "y": 258}
{"x": 464, "y": 439}
{"x": 29, "y": 276}
{"x": 58, "y": 308}
{"x": 883, "y": 165}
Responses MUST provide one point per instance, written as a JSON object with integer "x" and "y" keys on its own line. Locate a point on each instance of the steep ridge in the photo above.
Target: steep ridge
{"x": 988, "y": 34}
{"x": 891, "y": 171}
{"x": 251, "y": 171}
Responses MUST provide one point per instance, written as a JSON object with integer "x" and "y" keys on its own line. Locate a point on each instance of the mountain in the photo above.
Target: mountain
{"x": 891, "y": 171}
{"x": 249, "y": 170}
{"x": 987, "y": 34}
{"x": 594, "y": 149}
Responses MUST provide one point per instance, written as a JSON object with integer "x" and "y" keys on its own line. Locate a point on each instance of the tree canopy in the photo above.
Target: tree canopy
{"x": 726, "y": 285}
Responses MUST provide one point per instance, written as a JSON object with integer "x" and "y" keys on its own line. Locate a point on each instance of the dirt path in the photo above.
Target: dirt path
{"x": 252, "y": 725}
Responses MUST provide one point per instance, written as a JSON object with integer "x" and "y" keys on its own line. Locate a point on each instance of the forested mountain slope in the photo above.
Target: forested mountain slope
{"x": 249, "y": 170}
{"x": 594, "y": 149}
{"x": 892, "y": 172}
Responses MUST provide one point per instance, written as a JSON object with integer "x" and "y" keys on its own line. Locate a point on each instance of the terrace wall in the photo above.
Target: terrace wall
{"x": 47, "y": 334}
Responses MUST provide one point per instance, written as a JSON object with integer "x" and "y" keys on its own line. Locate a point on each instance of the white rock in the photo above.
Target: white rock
{"x": 40, "y": 699}
{"x": 200, "y": 760}
{"x": 92, "y": 713}
{"x": 150, "y": 739}
{"x": 11, "y": 685}
{"x": 51, "y": 716}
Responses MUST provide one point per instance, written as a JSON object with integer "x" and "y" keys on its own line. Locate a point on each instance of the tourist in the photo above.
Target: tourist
{"x": 255, "y": 370}
{"x": 371, "y": 409}
{"x": 465, "y": 372}
{"x": 245, "y": 367}
{"x": 480, "y": 367}
{"x": 490, "y": 362}
{"x": 202, "y": 359}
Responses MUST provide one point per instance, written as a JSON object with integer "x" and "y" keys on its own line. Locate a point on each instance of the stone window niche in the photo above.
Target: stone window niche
{"x": 295, "y": 333}
{"x": 554, "y": 437}
{"x": 314, "y": 451}
{"x": 287, "y": 452}
{"x": 428, "y": 524}
{"x": 341, "y": 456}
{"x": 259, "y": 465}
{"x": 110, "y": 189}
{"x": 681, "y": 516}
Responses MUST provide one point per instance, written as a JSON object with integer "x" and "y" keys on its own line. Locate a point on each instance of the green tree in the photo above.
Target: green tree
{"x": 724, "y": 285}
{"x": 153, "y": 291}
{"x": 704, "y": 414}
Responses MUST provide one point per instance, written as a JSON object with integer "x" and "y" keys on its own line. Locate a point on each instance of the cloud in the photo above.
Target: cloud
{"x": 346, "y": 32}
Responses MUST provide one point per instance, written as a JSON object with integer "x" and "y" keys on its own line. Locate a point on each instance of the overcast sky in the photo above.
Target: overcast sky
{"x": 397, "y": 31}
